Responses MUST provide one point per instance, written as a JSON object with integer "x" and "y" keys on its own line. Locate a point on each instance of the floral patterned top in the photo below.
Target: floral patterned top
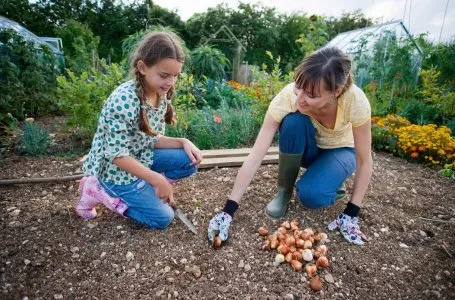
{"x": 118, "y": 135}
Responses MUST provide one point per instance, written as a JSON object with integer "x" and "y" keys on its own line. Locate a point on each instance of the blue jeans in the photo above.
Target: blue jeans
{"x": 326, "y": 169}
{"x": 144, "y": 206}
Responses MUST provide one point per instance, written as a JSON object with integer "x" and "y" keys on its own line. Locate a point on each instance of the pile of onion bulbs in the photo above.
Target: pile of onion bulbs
{"x": 298, "y": 247}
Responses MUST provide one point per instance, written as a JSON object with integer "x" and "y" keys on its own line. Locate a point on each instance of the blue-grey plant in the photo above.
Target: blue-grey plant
{"x": 33, "y": 140}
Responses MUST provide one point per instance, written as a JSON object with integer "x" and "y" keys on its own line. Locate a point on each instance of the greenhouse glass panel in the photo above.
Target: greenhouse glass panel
{"x": 384, "y": 53}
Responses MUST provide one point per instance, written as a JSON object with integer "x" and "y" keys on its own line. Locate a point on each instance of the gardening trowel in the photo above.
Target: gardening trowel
{"x": 184, "y": 219}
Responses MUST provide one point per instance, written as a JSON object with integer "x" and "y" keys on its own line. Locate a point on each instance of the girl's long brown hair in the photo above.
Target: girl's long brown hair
{"x": 152, "y": 48}
{"x": 329, "y": 66}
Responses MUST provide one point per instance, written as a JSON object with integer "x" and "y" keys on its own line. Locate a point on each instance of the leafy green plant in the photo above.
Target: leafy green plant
{"x": 82, "y": 97}
{"x": 209, "y": 62}
{"x": 33, "y": 140}
{"x": 448, "y": 171}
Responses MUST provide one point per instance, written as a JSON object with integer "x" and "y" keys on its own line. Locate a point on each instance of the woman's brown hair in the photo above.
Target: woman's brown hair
{"x": 151, "y": 49}
{"x": 328, "y": 65}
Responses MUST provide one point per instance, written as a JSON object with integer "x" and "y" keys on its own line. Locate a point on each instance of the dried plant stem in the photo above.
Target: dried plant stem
{"x": 437, "y": 220}
{"x": 445, "y": 249}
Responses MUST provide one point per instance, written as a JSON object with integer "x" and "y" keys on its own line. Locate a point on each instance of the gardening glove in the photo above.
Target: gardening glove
{"x": 219, "y": 226}
{"x": 349, "y": 228}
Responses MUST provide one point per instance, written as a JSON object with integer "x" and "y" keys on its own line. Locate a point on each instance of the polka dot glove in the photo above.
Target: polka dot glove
{"x": 219, "y": 225}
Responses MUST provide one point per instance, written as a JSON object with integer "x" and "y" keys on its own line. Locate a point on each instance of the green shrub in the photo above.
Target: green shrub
{"x": 27, "y": 78}
{"x": 419, "y": 112}
{"x": 82, "y": 97}
{"x": 448, "y": 104}
{"x": 33, "y": 140}
{"x": 189, "y": 93}
{"x": 451, "y": 125}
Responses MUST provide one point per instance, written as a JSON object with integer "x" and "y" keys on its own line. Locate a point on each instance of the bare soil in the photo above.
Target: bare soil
{"x": 48, "y": 252}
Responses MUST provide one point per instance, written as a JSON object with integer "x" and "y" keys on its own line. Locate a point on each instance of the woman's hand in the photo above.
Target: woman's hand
{"x": 194, "y": 154}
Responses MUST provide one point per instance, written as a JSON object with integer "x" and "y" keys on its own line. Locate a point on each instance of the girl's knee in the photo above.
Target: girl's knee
{"x": 164, "y": 219}
{"x": 151, "y": 218}
{"x": 192, "y": 171}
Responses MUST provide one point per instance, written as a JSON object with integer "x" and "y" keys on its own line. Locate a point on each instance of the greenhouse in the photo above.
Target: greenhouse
{"x": 55, "y": 44}
{"x": 375, "y": 50}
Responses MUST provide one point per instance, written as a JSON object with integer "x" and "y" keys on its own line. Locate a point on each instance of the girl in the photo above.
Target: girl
{"x": 131, "y": 164}
{"x": 324, "y": 125}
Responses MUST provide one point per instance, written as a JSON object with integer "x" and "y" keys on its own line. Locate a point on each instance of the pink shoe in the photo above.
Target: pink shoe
{"x": 85, "y": 208}
{"x": 121, "y": 208}
{"x": 93, "y": 194}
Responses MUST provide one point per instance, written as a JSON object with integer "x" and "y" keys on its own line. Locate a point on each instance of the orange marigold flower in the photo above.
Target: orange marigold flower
{"x": 414, "y": 154}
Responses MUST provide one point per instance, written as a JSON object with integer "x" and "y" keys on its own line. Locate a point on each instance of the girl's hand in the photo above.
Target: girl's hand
{"x": 163, "y": 189}
{"x": 193, "y": 152}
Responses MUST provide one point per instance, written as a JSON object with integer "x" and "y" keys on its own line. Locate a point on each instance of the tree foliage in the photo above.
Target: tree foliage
{"x": 257, "y": 27}
{"x": 81, "y": 45}
{"x": 346, "y": 22}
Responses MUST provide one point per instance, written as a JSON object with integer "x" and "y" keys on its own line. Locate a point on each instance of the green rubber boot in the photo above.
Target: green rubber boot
{"x": 341, "y": 192}
{"x": 288, "y": 169}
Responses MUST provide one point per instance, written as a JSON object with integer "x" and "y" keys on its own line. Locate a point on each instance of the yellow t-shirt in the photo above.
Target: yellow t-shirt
{"x": 353, "y": 111}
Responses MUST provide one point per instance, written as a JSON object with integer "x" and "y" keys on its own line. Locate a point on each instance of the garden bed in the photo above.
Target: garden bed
{"x": 49, "y": 253}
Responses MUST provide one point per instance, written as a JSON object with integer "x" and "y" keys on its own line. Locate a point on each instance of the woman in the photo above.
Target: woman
{"x": 324, "y": 125}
